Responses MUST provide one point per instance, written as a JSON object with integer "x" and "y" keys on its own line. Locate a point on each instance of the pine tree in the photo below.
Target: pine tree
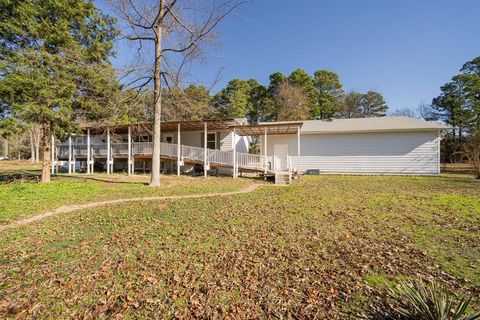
{"x": 54, "y": 65}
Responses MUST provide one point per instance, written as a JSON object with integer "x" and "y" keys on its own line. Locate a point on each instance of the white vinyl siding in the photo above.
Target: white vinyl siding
{"x": 226, "y": 140}
{"x": 386, "y": 152}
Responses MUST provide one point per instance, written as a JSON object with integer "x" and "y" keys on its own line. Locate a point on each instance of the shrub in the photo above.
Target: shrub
{"x": 431, "y": 302}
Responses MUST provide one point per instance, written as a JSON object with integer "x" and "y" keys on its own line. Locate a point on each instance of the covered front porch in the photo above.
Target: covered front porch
{"x": 278, "y": 162}
{"x": 208, "y": 144}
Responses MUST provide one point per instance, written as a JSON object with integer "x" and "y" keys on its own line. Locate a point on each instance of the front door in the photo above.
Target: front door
{"x": 280, "y": 152}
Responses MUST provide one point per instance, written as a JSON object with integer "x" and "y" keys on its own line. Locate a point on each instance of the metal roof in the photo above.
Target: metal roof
{"x": 385, "y": 124}
{"x": 377, "y": 124}
{"x": 168, "y": 126}
{"x": 272, "y": 128}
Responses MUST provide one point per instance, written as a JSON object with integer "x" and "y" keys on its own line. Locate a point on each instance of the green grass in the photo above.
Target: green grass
{"x": 327, "y": 247}
{"x": 20, "y": 199}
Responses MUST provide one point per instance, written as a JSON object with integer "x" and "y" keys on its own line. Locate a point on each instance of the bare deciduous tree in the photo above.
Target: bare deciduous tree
{"x": 292, "y": 103}
{"x": 176, "y": 30}
{"x": 404, "y": 112}
{"x": 35, "y": 135}
{"x": 4, "y": 148}
{"x": 192, "y": 103}
{"x": 426, "y": 112}
{"x": 471, "y": 150}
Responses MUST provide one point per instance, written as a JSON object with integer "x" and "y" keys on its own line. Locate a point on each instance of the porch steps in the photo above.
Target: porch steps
{"x": 283, "y": 178}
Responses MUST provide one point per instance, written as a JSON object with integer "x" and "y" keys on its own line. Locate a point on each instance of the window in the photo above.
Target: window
{"x": 79, "y": 140}
{"x": 144, "y": 138}
{"x": 211, "y": 140}
{"x": 168, "y": 138}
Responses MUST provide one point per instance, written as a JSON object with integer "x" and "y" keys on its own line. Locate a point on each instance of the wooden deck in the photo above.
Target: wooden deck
{"x": 143, "y": 150}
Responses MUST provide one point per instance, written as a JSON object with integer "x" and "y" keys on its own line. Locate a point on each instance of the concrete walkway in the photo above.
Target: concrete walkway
{"x": 71, "y": 208}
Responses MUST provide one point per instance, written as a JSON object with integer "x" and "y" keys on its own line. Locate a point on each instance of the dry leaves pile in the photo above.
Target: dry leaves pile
{"x": 309, "y": 251}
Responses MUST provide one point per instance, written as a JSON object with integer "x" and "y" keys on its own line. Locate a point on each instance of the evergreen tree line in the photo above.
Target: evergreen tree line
{"x": 298, "y": 96}
{"x": 458, "y": 105}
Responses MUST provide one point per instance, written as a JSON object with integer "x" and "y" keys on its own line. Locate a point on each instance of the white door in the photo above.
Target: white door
{"x": 280, "y": 152}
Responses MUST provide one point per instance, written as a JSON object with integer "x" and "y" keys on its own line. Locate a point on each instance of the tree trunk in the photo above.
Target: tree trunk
{"x": 155, "y": 174}
{"x": 36, "y": 134}
{"x": 5, "y": 148}
{"x": 37, "y": 151}
{"x": 46, "y": 145}
{"x": 32, "y": 147}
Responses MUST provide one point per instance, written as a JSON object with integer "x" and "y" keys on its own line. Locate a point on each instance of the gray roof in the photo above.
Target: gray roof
{"x": 368, "y": 125}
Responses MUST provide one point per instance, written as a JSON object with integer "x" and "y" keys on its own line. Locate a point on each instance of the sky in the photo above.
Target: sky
{"x": 403, "y": 49}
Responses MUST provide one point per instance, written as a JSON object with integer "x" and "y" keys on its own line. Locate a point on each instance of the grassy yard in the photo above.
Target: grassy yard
{"x": 19, "y": 197}
{"x": 327, "y": 247}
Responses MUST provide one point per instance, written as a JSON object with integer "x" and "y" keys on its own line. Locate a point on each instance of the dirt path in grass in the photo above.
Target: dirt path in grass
{"x": 74, "y": 207}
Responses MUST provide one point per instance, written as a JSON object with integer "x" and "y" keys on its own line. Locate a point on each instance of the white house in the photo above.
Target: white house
{"x": 383, "y": 145}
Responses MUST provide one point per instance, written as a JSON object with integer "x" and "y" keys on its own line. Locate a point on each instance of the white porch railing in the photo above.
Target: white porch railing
{"x": 79, "y": 149}
{"x": 243, "y": 160}
{"x": 99, "y": 149}
{"x": 192, "y": 153}
{"x": 168, "y": 149}
{"x": 142, "y": 147}
{"x": 119, "y": 148}
{"x": 290, "y": 169}
{"x": 251, "y": 161}
{"x": 221, "y": 157}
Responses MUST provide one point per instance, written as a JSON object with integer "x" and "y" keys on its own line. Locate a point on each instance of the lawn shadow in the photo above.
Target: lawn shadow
{"x": 34, "y": 176}
{"x": 96, "y": 178}
{"x": 20, "y": 176}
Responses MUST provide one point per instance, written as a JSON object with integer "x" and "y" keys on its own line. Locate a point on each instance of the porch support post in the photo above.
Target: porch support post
{"x": 205, "y": 149}
{"x": 129, "y": 157}
{"x": 74, "y": 160}
{"x": 57, "y": 167}
{"x": 92, "y": 160}
{"x": 108, "y": 150}
{"x": 234, "y": 143}
{"x": 53, "y": 154}
{"x": 178, "y": 149}
{"x": 265, "y": 146}
{"x": 69, "y": 154}
{"x": 88, "y": 151}
{"x": 439, "y": 139}
{"x": 298, "y": 142}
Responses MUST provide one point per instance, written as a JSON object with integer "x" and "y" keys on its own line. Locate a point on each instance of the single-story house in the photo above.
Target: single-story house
{"x": 383, "y": 145}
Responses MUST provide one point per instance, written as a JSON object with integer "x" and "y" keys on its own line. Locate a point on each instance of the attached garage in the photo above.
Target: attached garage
{"x": 386, "y": 145}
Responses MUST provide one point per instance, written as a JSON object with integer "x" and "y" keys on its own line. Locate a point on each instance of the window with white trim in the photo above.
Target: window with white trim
{"x": 212, "y": 140}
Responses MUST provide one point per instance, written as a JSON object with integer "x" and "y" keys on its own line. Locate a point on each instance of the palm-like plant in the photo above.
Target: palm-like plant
{"x": 430, "y": 302}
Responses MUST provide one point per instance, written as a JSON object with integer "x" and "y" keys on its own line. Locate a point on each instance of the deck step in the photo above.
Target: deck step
{"x": 282, "y": 178}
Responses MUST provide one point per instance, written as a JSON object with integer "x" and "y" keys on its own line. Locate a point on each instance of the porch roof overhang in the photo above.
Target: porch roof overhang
{"x": 268, "y": 128}
{"x": 166, "y": 126}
